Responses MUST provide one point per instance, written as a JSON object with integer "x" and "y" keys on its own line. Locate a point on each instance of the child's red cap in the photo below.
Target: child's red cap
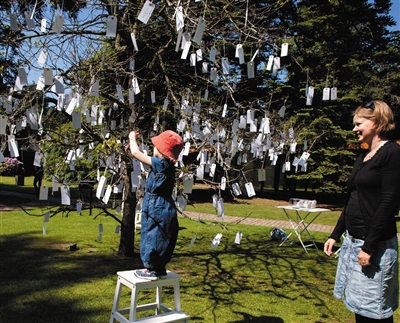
{"x": 168, "y": 143}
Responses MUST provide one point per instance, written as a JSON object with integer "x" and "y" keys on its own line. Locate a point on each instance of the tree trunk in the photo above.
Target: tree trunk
{"x": 127, "y": 242}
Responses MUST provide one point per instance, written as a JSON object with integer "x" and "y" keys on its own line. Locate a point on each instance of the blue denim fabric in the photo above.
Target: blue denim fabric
{"x": 371, "y": 291}
{"x": 159, "y": 230}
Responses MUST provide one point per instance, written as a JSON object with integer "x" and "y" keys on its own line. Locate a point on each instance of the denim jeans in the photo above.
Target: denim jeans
{"x": 371, "y": 291}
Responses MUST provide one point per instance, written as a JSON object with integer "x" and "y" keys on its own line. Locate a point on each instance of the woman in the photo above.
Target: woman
{"x": 367, "y": 272}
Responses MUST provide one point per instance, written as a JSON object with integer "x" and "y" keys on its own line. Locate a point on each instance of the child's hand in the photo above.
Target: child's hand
{"x": 132, "y": 135}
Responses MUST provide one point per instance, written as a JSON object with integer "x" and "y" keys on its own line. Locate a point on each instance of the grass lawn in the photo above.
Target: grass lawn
{"x": 257, "y": 281}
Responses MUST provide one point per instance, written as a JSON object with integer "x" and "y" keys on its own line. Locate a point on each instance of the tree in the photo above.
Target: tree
{"x": 199, "y": 68}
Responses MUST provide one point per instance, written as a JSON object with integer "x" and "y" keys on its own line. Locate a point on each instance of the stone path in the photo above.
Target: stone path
{"x": 254, "y": 221}
{"x": 30, "y": 200}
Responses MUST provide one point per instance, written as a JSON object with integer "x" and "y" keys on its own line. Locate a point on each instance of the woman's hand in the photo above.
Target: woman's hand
{"x": 364, "y": 258}
{"x": 328, "y": 246}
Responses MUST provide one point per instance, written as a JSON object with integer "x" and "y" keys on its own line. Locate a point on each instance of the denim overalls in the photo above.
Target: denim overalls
{"x": 159, "y": 230}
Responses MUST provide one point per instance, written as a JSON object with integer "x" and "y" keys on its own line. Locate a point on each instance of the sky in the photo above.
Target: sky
{"x": 395, "y": 12}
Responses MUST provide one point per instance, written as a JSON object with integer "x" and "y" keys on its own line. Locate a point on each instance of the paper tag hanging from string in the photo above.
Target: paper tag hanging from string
{"x": 111, "y": 26}
{"x": 135, "y": 46}
{"x": 284, "y": 49}
{"x": 250, "y": 70}
{"x": 58, "y": 23}
{"x": 220, "y": 209}
{"x": 333, "y": 93}
{"x": 238, "y": 237}
{"x": 236, "y": 189}
{"x": 192, "y": 241}
{"x": 65, "y": 195}
{"x": 213, "y": 53}
{"x": 79, "y": 207}
{"x": 310, "y": 95}
{"x": 270, "y": 62}
{"x": 46, "y": 217}
{"x": 201, "y": 25}
{"x": 325, "y": 93}
{"x": 216, "y": 241}
{"x": 107, "y": 194}
{"x": 239, "y": 53}
{"x": 43, "y": 193}
{"x": 146, "y": 12}
{"x": 261, "y": 175}
{"x": 180, "y": 21}
{"x": 250, "y": 189}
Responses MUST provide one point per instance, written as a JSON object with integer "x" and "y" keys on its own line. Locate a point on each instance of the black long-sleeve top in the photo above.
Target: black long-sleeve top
{"x": 377, "y": 183}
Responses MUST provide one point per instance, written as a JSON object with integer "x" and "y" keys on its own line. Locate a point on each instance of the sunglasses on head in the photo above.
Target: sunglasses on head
{"x": 369, "y": 105}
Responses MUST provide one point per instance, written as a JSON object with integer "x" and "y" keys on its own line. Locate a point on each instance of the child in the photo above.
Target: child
{"x": 159, "y": 230}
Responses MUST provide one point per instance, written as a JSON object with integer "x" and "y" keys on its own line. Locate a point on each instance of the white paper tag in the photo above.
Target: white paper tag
{"x": 71, "y": 106}
{"x": 199, "y": 55}
{"x": 37, "y": 161}
{"x": 42, "y": 57}
{"x": 284, "y": 49}
{"x": 216, "y": 241}
{"x": 186, "y": 49}
{"x": 54, "y": 184}
{"x": 44, "y": 229}
{"x": 179, "y": 19}
{"x": 213, "y": 53}
{"x": 135, "y": 85}
{"x": 220, "y": 209}
{"x": 310, "y": 95}
{"x": 101, "y": 229}
{"x": 250, "y": 70}
{"x": 239, "y": 53}
{"x": 213, "y": 73}
{"x": 58, "y": 84}
{"x": 111, "y": 26}
{"x": 107, "y": 194}
{"x": 22, "y": 75}
{"x": 58, "y": 23}
{"x": 65, "y": 195}
{"x": 135, "y": 46}
{"x": 223, "y": 183}
{"x": 48, "y": 76}
{"x": 13, "y": 146}
{"x": 43, "y": 193}
{"x": 225, "y": 65}
{"x": 238, "y": 237}
{"x": 79, "y": 207}
{"x": 146, "y": 12}
{"x": 333, "y": 93}
{"x": 118, "y": 229}
{"x": 201, "y": 25}
{"x": 325, "y": 94}
{"x": 192, "y": 241}
{"x": 236, "y": 189}
{"x": 250, "y": 189}
{"x": 43, "y": 25}
{"x": 303, "y": 158}
{"x": 261, "y": 175}
{"x": 188, "y": 184}
{"x": 101, "y": 187}
{"x": 13, "y": 21}
{"x": 46, "y": 217}
{"x": 270, "y": 62}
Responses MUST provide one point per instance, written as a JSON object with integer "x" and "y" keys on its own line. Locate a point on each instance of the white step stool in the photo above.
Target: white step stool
{"x": 128, "y": 279}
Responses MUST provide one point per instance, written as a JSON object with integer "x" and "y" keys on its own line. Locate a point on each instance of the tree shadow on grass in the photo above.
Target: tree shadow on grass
{"x": 46, "y": 282}
{"x": 242, "y": 279}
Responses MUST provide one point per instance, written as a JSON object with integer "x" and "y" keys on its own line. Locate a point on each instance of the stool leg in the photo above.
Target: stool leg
{"x": 132, "y": 310}
{"x": 177, "y": 297}
{"x": 116, "y": 300}
{"x": 158, "y": 299}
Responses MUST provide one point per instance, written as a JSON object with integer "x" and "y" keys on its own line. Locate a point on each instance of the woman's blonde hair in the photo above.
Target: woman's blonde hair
{"x": 380, "y": 112}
